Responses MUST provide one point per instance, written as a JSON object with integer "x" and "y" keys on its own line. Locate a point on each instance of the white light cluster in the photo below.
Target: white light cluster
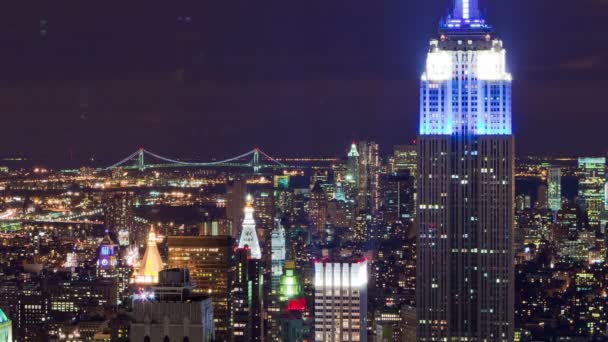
{"x": 341, "y": 275}
{"x": 438, "y": 66}
{"x": 491, "y": 66}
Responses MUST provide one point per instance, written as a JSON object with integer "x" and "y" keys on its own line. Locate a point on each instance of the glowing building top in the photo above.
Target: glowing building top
{"x": 151, "y": 263}
{"x": 353, "y": 150}
{"x": 466, "y": 9}
{"x": 6, "y": 327}
{"x": 108, "y": 253}
{"x": 249, "y": 236}
{"x": 465, "y": 89}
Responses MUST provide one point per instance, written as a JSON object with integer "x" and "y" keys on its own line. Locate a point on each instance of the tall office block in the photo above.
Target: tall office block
{"x": 554, "y": 180}
{"x": 341, "y": 300}
{"x": 464, "y": 289}
{"x": 369, "y": 177}
{"x": 210, "y": 261}
{"x": 591, "y": 180}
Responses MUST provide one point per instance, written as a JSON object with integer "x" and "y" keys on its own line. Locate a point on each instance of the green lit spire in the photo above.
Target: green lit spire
{"x": 289, "y": 287}
{"x": 3, "y": 318}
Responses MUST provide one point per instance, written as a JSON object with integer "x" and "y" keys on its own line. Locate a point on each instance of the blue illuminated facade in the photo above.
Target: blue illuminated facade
{"x": 465, "y": 89}
{"x": 108, "y": 254}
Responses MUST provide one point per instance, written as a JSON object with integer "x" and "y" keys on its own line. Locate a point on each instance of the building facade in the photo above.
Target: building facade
{"x": 465, "y": 185}
{"x": 591, "y": 180}
{"x": 554, "y": 180}
{"x": 340, "y": 300}
{"x": 210, "y": 261}
{"x": 171, "y": 313}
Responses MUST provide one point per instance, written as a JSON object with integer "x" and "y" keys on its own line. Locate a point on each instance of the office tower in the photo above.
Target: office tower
{"x": 405, "y": 157}
{"x": 341, "y": 300}
{"x": 249, "y": 236}
{"x": 542, "y": 197}
{"x": 283, "y": 194}
{"x": 210, "y": 262}
{"x": 236, "y": 193}
{"x": 255, "y": 327}
{"x": 120, "y": 219}
{"x": 465, "y": 277}
{"x": 570, "y": 218}
{"x": 263, "y": 203}
{"x": 369, "y": 173}
{"x": 151, "y": 264}
{"x": 352, "y": 168}
{"x": 6, "y": 328}
{"x": 554, "y": 180}
{"x": 591, "y": 180}
{"x": 293, "y": 305}
{"x": 254, "y": 330}
{"x": 247, "y": 298}
{"x": 239, "y": 295}
{"x": 278, "y": 252}
{"x": 399, "y": 197}
{"x": 317, "y": 209}
{"x": 69, "y": 294}
{"x": 33, "y": 313}
{"x": 170, "y": 312}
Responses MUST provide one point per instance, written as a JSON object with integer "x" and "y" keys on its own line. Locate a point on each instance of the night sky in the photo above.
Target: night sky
{"x": 213, "y": 78}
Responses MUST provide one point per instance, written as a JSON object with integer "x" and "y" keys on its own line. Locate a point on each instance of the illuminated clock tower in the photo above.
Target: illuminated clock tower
{"x": 107, "y": 259}
{"x": 464, "y": 283}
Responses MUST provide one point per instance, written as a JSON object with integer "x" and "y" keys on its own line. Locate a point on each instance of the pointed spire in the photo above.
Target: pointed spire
{"x": 151, "y": 263}
{"x": 353, "y": 150}
{"x": 249, "y": 237}
{"x": 466, "y": 9}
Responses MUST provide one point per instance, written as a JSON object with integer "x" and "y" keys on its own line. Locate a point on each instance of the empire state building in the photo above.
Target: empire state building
{"x": 464, "y": 289}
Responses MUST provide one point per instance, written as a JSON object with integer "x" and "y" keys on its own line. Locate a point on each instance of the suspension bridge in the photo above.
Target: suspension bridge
{"x": 255, "y": 159}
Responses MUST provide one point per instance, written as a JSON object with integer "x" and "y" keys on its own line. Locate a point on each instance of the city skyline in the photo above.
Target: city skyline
{"x": 332, "y": 171}
{"x": 326, "y": 69}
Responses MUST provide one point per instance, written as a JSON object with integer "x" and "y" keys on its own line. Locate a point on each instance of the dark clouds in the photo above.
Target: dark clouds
{"x": 216, "y": 77}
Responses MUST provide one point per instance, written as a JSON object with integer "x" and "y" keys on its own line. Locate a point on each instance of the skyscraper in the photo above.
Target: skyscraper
{"x": 249, "y": 237}
{"x": 278, "y": 252}
{"x": 119, "y": 218}
{"x": 170, "y": 312}
{"x": 369, "y": 174}
{"x": 352, "y": 171}
{"x": 554, "y": 180}
{"x": 210, "y": 261}
{"x": 591, "y": 180}
{"x": 341, "y": 300}
{"x": 317, "y": 209}
{"x": 151, "y": 263}
{"x": 248, "y": 323}
{"x": 465, "y": 185}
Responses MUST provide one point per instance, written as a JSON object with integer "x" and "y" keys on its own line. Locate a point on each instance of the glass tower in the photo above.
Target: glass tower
{"x": 555, "y": 188}
{"x": 465, "y": 180}
{"x": 591, "y": 179}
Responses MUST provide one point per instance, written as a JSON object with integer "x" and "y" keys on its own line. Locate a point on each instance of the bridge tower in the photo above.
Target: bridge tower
{"x": 255, "y": 162}
{"x": 141, "y": 165}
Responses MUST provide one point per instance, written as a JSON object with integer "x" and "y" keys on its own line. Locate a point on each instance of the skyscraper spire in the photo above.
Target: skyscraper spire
{"x": 249, "y": 236}
{"x": 353, "y": 150}
{"x": 151, "y": 263}
{"x": 466, "y": 9}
